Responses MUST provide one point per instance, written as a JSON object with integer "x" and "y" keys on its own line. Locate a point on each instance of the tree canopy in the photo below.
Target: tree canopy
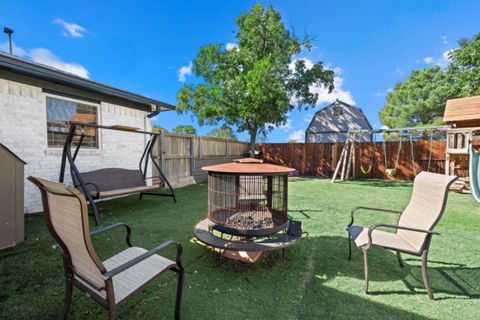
{"x": 158, "y": 129}
{"x": 184, "y": 129}
{"x": 224, "y": 132}
{"x": 255, "y": 84}
{"x": 420, "y": 99}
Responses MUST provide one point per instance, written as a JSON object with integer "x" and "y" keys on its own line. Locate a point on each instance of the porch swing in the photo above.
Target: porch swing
{"x": 112, "y": 182}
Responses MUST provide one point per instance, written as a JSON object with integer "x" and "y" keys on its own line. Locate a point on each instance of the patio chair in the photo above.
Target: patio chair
{"x": 414, "y": 229}
{"x": 108, "y": 282}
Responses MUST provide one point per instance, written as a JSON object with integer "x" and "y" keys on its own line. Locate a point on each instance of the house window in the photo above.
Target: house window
{"x": 60, "y": 112}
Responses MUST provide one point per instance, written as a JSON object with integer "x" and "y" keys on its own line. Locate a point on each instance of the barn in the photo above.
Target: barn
{"x": 332, "y": 123}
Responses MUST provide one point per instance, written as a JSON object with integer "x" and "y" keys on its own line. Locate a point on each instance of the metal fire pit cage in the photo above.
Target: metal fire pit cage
{"x": 253, "y": 204}
{"x": 248, "y": 198}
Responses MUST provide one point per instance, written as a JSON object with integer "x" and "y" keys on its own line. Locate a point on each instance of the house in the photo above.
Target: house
{"x": 332, "y": 123}
{"x": 37, "y": 101}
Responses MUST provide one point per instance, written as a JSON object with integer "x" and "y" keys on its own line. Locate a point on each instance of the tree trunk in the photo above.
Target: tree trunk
{"x": 253, "y": 140}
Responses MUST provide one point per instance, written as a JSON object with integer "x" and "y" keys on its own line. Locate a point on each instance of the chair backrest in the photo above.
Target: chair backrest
{"x": 426, "y": 206}
{"x": 66, "y": 213}
{"x": 108, "y": 179}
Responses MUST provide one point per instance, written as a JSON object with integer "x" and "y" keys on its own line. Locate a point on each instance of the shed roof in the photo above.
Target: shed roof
{"x": 11, "y": 152}
{"x": 41, "y": 71}
{"x": 323, "y": 122}
{"x": 463, "y": 109}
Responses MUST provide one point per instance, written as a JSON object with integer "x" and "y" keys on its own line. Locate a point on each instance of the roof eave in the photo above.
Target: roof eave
{"x": 50, "y": 74}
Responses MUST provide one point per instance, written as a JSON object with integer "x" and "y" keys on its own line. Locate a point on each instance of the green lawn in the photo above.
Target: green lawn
{"x": 315, "y": 281}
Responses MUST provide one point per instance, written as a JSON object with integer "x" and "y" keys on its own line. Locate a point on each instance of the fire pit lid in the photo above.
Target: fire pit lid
{"x": 248, "y": 168}
{"x": 248, "y": 160}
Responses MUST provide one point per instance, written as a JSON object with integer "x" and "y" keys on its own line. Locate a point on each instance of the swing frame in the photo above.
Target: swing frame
{"x": 79, "y": 180}
{"x": 344, "y": 165}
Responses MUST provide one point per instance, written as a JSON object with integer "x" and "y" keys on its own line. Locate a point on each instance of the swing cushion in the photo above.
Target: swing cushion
{"x": 111, "y": 182}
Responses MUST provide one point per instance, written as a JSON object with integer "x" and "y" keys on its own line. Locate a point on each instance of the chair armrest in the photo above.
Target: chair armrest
{"x": 369, "y": 209}
{"x": 113, "y": 226}
{"x": 140, "y": 258}
{"x": 394, "y": 226}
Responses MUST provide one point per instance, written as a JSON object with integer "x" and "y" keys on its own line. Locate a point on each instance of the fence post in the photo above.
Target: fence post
{"x": 200, "y": 147}
{"x": 162, "y": 151}
{"x": 226, "y": 148}
{"x": 192, "y": 155}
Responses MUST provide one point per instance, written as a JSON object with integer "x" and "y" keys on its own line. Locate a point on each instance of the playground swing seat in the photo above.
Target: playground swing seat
{"x": 372, "y": 159}
{"x": 392, "y": 171}
{"x": 112, "y": 182}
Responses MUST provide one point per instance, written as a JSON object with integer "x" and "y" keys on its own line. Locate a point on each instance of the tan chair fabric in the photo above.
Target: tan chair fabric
{"x": 379, "y": 238}
{"x": 426, "y": 206}
{"x": 67, "y": 220}
{"x": 132, "y": 279}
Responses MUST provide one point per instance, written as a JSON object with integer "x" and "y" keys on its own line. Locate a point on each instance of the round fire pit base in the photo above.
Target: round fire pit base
{"x": 203, "y": 231}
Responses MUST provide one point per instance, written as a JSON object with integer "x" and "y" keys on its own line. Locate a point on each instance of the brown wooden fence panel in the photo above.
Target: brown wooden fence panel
{"x": 320, "y": 159}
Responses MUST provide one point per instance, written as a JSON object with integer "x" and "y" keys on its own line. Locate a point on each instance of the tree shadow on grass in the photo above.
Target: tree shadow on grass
{"x": 448, "y": 280}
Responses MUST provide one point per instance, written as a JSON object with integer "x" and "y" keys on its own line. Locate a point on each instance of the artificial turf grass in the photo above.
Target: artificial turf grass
{"x": 315, "y": 281}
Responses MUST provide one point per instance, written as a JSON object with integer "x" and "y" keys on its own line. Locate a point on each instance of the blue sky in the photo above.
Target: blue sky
{"x": 141, "y": 46}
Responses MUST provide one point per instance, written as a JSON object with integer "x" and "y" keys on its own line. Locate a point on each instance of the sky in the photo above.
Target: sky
{"x": 147, "y": 47}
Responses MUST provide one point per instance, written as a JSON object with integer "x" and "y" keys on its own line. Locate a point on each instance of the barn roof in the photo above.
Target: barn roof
{"x": 328, "y": 123}
{"x": 463, "y": 109}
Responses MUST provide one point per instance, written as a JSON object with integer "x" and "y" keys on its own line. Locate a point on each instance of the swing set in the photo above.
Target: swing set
{"x": 347, "y": 157}
{"x": 113, "y": 182}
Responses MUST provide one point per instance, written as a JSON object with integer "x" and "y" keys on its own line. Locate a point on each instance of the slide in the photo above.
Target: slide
{"x": 474, "y": 173}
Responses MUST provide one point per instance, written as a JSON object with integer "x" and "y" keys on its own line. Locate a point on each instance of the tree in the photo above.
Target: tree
{"x": 184, "y": 129}
{"x": 255, "y": 84}
{"x": 158, "y": 129}
{"x": 224, "y": 132}
{"x": 419, "y": 100}
{"x": 466, "y": 66}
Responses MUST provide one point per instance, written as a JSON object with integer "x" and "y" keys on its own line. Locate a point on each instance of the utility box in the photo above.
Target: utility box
{"x": 11, "y": 198}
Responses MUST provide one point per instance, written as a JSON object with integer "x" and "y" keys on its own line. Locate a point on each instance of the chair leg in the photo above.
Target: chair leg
{"x": 112, "y": 312}
{"x": 68, "y": 299}
{"x": 400, "y": 260}
{"x": 349, "y": 247}
{"x": 178, "y": 302}
{"x": 425, "y": 274}
{"x": 365, "y": 266}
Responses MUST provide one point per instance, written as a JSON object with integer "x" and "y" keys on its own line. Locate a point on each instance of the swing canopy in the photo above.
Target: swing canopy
{"x": 112, "y": 182}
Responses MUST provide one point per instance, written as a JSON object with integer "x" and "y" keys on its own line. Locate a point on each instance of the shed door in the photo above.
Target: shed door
{"x": 7, "y": 199}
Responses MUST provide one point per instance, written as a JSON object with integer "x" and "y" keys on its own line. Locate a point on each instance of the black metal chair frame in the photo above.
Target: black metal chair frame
{"x": 77, "y": 177}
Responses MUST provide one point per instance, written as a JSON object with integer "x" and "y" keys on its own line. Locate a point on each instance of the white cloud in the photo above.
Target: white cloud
{"x": 46, "y": 57}
{"x": 428, "y": 60}
{"x": 16, "y": 50}
{"x": 323, "y": 95}
{"x": 444, "y": 39}
{"x": 184, "y": 72}
{"x": 231, "y": 45}
{"x": 298, "y": 136}
{"x": 442, "y": 61}
{"x": 71, "y": 29}
{"x": 399, "y": 72}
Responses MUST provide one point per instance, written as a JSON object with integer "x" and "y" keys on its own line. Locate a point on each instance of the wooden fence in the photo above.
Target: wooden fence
{"x": 182, "y": 156}
{"x": 320, "y": 159}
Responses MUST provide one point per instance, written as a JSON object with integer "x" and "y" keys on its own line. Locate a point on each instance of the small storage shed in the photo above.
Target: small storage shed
{"x": 11, "y": 198}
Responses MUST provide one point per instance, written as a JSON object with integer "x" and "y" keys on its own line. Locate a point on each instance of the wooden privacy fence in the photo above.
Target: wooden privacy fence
{"x": 320, "y": 159}
{"x": 182, "y": 156}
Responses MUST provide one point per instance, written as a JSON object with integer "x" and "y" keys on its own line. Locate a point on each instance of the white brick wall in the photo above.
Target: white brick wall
{"x": 23, "y": 129}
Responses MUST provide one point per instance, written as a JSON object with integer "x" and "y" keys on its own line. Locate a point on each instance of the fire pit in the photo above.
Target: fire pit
{"x": 247, "y": 199}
